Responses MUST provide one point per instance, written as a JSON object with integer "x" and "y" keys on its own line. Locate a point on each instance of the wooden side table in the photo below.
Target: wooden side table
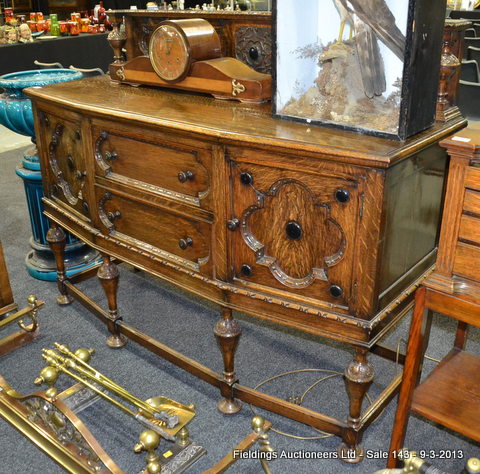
{"x": 450, "y": 395}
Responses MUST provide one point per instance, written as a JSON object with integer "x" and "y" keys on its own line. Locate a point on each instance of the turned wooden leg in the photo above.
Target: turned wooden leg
{"x": 227, "y": 332}
{"x": 358, "y": 378}
{"x": 417, "y": 344}
{"x": 56, "y": 238}
{"x": 108, "y": 275}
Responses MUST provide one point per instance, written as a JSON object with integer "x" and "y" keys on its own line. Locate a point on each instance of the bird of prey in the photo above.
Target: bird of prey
{"x": 372, "y": 19}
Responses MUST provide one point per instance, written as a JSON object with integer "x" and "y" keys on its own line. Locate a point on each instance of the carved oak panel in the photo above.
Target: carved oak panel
{"x": 66, "y": 162}
{"x": 294, "y": 231}
{"x": 253, "y": 46}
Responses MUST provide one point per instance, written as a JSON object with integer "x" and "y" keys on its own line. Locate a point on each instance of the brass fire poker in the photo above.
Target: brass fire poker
{"x": 160, "y": 414}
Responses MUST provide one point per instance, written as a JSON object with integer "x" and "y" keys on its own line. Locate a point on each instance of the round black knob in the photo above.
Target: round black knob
{"x": 185, "y": 176}
{"x": 246, "y": 270}
{"x": 253, "y": 53}
{"x": 342, "y": 196}
{"x": 246, "y": 178}
{"x": 294, "y": 230}
{"x": 336, "y": 291}
{"x": 111, "y": 155}
{"x": 184, "y": 243}
{"x": 78, "y": 134}
{"x": 232, "y": 224}
{"x": 114, "y": 215}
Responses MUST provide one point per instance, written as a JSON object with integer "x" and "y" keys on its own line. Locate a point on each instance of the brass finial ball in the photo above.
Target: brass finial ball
{"x": 32, "y": 299}
{"x": 149, "y": 439}
{"x": 473, "y": 465}
{"x": 154, "y": 467}
{"x": 51, "y": 393}
{"x": 258, "y": 423}
{"x": 49, "y": 374}
{"x": 84, "y": 354}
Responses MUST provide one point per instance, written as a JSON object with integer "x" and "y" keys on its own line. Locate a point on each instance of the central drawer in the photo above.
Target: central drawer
{"x": 147, "y": 227}
{"x": 171, "y": 168}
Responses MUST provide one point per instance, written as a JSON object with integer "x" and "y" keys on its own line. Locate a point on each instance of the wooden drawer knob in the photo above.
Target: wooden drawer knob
{"x": 114, "y": 215}
{"x": 111, "y": 155}
{"x": 233, "y": 224}
{"x": 185, "y": 176}
{"x": 184, "y": 243}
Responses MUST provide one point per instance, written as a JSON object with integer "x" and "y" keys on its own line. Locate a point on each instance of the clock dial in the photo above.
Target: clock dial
{"x": 169, "y": 53}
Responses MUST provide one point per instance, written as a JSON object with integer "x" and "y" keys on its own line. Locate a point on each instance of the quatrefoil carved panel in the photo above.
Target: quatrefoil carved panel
{"x": 293, "y": 234}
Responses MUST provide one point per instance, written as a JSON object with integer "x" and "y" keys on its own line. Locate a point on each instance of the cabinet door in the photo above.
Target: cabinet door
{"x": 294, "y": 232}
{"x": 67, "y": 175}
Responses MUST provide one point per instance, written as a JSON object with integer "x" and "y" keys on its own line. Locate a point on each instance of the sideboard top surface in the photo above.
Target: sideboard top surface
{"x": 231, "y": 121}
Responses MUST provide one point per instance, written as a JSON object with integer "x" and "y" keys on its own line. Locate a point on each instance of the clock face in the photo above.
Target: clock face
{"x": 169, "y": 53}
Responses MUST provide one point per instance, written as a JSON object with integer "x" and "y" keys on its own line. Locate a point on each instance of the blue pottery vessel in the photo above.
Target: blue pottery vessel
{"x": 16, "y": 114}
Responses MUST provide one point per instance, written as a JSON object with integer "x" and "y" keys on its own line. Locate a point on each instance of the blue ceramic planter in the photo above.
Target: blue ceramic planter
{"x": 15, "y": 107}
{"x": 16, "y": 114}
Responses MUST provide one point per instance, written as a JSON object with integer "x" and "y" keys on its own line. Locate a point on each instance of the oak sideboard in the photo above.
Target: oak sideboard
{"x": 325, "y": 231}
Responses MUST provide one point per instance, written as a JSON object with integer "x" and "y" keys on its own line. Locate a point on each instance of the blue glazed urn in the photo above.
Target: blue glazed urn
{"x": 16, "y": 114}
{"x": 15, "y": 107}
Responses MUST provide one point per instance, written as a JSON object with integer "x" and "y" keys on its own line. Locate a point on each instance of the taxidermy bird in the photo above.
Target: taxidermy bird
{"x": 372, "y": 19}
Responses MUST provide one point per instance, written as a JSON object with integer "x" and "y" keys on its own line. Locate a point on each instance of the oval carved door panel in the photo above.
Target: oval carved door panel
{"x": 66, "y": 162}
{"x": 294, "y": 231}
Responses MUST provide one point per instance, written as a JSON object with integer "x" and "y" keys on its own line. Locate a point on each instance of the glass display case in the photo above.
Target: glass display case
{"x": 365, "y": 65}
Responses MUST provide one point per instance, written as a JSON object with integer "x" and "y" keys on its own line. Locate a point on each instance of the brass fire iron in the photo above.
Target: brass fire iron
{"x": 160, "y": 414}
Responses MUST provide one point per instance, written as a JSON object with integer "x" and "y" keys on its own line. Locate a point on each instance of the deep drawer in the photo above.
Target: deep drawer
{"x": 175, "y": 170}
{"x": 155, "y": 230}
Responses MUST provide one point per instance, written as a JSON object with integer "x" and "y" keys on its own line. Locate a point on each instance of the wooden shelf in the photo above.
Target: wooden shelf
{"x": 450, "y": 395}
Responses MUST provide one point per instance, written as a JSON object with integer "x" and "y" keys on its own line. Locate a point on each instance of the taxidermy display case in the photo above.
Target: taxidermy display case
{"x": 365, "y": 65}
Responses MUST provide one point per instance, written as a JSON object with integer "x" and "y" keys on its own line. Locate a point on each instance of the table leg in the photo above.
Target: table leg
{"x": 108, "y": 275}
{"x": 56, "y": 238}
{"x": 358, "y": 378}
{"x": 227, "y": 332}
{"x": 417, "y": 344}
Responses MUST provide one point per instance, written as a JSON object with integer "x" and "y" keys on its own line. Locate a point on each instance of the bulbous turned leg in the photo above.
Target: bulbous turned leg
{"x": 108, "y": 275}
{"x": 56, "y": 239}
{"x": 227, "y": 332}
{"x": 358, "y": 378}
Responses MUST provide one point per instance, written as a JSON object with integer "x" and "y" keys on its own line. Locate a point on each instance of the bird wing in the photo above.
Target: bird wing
{"x": 377, "y": 15}
{"x": 370, "y": 59}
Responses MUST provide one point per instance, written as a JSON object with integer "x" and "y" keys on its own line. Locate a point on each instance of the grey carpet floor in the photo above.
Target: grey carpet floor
{"x": 186, "y": 324}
